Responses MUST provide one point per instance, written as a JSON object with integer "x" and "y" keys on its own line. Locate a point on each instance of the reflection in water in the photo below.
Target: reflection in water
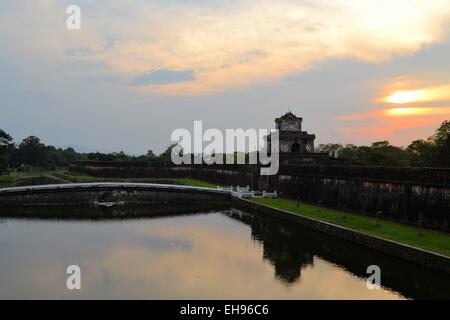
{"x": 291, "y": 249}
{"x": 228, "y": 255}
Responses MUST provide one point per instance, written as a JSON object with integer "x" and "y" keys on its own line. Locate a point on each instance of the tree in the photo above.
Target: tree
{"x": 442, "y": 134}
{"x": 31, "y": 151}
{"x": 166, "y": 156}
{"x": 441, "y": 139}
{"x": 6, "y": 148}
{"x": 421, "y": 153}
{"x": 380, "y": 153}
{"x": 330, "y": 148}
{"x": 5, "y": 139}
{"x": 384, "y": 154}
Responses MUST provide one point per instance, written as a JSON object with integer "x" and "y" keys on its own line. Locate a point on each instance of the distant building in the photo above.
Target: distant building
{"x": 150, "y": 155}
{"x": 292, "y": 138}
{"x": 296, "y": 146}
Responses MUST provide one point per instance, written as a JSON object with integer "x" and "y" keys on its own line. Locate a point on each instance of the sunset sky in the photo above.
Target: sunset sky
{"x": 356, "y": 71}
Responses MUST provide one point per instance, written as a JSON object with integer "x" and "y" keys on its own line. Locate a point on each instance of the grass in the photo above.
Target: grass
{"x": 430, "y": 240}
{"x": 196, "y": 183}
{"x": 75, "y": 177}
{"x": 80, "y": 178}
{"x": 13, "y": 178}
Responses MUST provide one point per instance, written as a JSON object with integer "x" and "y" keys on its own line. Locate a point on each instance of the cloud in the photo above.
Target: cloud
{"x": 229, "y": 46}
{"x": 163, "y": 76}
{"x": 267, "y": 40}
{"x": 85, "y": 51}
{"x": 437, "y": 93}
{"x": 89, "y": 51}
{"x": 390, "y": 122}
{"x": 396, "y": 112}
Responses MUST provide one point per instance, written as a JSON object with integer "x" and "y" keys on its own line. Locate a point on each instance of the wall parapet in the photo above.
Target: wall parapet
{"x": 108, "y": 192}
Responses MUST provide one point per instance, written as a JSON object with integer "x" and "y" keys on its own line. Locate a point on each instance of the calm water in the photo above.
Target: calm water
{"x": 224, "y": 255}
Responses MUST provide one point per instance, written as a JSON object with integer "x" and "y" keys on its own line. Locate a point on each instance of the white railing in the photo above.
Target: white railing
{"x": 249, "y": 194}
{"x": 244, "y": 192}
{"x": 243, "y": 189}
{"x": 270, "y": 194}
{"x": 225, "y": 188}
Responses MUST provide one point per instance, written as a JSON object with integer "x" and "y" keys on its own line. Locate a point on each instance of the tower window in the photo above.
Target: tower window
{"x": 296, "y": 147}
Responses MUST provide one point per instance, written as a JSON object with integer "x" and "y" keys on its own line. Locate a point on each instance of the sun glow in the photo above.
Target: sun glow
{"x": 397, "y": 112}
{"x": 405, "y": 111}
{"x": 406, "y": 97}
{"x": 417, "y": 111}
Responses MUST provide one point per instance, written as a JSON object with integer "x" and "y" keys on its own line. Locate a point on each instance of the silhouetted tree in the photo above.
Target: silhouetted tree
{"x": 166, "y": 155}
{"x": 6, "y": 148}
{"x": 32, "y": 152}
{"x": 442, "y": 140}
{"x": 422, "y": 153}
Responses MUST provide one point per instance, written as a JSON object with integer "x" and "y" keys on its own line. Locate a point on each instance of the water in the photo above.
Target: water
{"x": 220, "y": 255}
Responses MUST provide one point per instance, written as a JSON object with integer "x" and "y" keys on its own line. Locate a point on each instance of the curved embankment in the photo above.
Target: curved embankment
{"x": 107, "y": 193}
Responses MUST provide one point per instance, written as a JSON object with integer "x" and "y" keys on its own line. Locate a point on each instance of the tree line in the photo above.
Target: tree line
{"x": 32, "y": 152}
{"x": 432, "y": 152}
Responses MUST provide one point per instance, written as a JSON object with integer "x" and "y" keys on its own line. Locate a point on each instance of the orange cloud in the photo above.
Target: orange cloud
{"x": 399, "y": 112}
{"x": 258, "y": 42}
{"x": 399, "y": 124}
{"x": 396, "y": 112}
{"x": 232, "y": 46}
{"x": 438, "y": 93}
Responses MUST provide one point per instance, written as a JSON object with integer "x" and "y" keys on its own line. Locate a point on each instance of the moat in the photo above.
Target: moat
{"x": 223, "y": 254}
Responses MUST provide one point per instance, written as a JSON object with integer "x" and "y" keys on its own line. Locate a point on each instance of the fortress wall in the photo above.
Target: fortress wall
{"x": 426, "y": 204}
{"x": 125, "y": 170}
{"x": 86, "y": 194}
{"x": 410, "y": 195}
{"x": 217, "y": 174}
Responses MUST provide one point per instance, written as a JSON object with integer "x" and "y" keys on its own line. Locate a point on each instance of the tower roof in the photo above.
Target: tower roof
{"x": 288, "y": 116}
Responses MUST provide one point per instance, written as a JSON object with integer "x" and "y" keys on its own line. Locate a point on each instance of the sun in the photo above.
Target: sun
{"x": 406, "y": 96}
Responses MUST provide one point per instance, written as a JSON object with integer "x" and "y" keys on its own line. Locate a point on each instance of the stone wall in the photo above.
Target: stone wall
{"x": 109, "y": 194}
{"x": 218, "y": 174}
{"x": 419, "y": 196}
{"x": 408, "y": 195}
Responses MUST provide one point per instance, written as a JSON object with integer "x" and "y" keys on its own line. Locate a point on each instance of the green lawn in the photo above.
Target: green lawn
{"x": 75, "y": 177}
{"x": 418, "y": 237}
{"x": 80, "y": 178}
{"x": 196, "y": 183}
{"x": 7, "y": 180}
{"x": 16, "y": 178}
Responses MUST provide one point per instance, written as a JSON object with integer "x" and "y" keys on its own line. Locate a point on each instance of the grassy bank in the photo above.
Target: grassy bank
{"x": 418, "y": 237}
{"x": 79, "y": 178}
{"x": 15, "y": 178}
{"x": 196, "y": 183}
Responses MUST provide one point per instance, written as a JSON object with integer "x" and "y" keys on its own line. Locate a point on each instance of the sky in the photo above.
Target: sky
{"x": 356, "y": 71}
